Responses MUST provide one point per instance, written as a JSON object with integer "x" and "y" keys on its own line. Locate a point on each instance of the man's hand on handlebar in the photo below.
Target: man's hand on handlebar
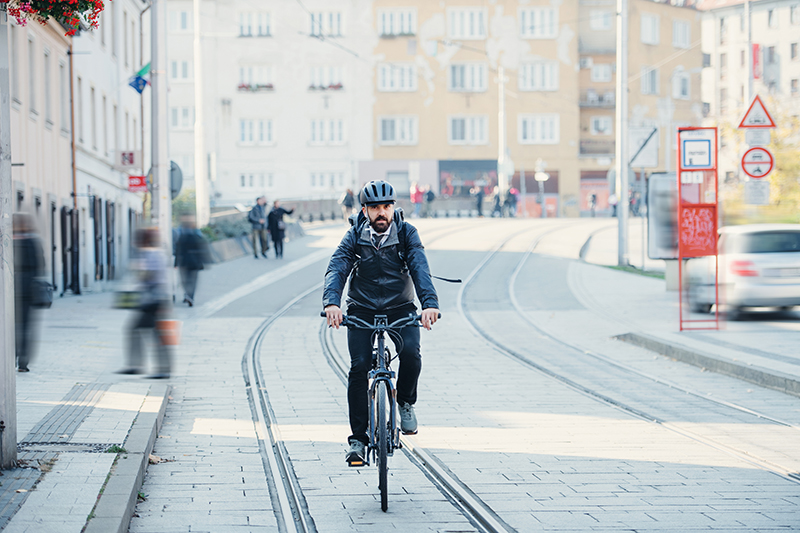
{"x": 334, "y": 316}
{"x": 429, "y": 317}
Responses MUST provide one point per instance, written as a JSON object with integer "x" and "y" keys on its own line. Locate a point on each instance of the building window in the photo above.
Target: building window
{"x": 258, "y": 24}
{"x": 794, "y": 88}
{"x": 180, "y": 70}
{"x": 601, "y": 125}
{"x": 32, "y": 75}
{"x": 79, "y": 108}
{"x": 793, "y": 51}
{"x": 466, "y": 23}
{"x": 397, "y": 77}
{"x": 181, "y": 118}
{"x": 538, "y": 129}
{"x": 600, "y": 19}
{"x": 179, "y": 21}
{"x": 327, "y": 132}
{"x": 680, "y": 85}
{"x": 14, "y": 60}
{"x": 326, "y": 78}
{"x": 538, "y": 23}
{"x": 538, "y": 76}
{"x": 681, "y": 34}
{"x": 255, "y": 77}
{"x": 649, "y": 80}
{"x": 467, "y": 130}
{"x": 467, "y": 77}
{"x": 397, "y": 22}
{"x": 650, "y": 29}
{"x": 723, "y": 66}
{"x": 93, "y": 117}
{"x": 601, "y": 72}
{"x": 770, "y": 55}
{"x": 398, "y": 130}
{"x": 63, "y": 82}
{"x": 742, "y": 58}
{"x": 794, "y": 14}
{"x": 326, "y": 23}
{"x": 125, "y": 37}
{"x": 723, "y": 100}
{"x": 772, "y": 20}
{"x": 105, "y": 126}
{"x": 723, "y": 30}
{"x": 48, "y": 92}
{"x": 252, "y": 132}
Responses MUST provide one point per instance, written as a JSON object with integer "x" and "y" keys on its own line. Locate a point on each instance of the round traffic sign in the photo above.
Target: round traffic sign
{"x": 757, "y": 162}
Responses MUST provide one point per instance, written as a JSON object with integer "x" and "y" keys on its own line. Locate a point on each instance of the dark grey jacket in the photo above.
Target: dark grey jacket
{"x": 257, "y": 213}
{"x": 380, "y": 279}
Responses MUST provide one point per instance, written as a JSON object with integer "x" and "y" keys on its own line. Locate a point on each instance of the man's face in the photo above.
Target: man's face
{"x": 380, "y": 216}
{"x": 262, "y": 201}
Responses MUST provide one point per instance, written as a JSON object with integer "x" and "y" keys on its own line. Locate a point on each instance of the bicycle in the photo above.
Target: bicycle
{"x": 383, "y": 432}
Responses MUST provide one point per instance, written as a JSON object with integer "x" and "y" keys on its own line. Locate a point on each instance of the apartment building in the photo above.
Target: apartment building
{"x": 40, "y": 137}
{"x": 108, "y": 120}
{"x": 437, "y": 97}
{"x": 775, "y": 31}
{"x": 285, "y": 102}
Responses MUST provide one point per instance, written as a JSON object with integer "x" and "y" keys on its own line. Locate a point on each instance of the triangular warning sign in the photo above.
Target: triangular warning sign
{"x": 757, "y": 116}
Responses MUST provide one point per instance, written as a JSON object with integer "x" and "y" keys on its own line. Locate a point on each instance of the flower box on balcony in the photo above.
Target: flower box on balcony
{"x": 255, "y": 88}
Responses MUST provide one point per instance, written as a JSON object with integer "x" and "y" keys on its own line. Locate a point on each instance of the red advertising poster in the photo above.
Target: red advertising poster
{"x": 756, "y": 61}
{"x": 137, "y": 184}
{"x": 698, "y": 231}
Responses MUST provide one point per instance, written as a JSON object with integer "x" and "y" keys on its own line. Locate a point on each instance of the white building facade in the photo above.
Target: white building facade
{"x": 775, "y": 34}
{"x": 287, "y": 96}
{"x": 108, "y": 121}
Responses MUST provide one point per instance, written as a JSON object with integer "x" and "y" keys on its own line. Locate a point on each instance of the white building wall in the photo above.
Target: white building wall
{"x": 40, "y": 132}
{"x": 108, "y": 120}
{"x": 285, "y": 166}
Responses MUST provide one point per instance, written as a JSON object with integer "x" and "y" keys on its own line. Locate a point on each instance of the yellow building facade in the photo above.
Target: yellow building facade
{"x": 437, "y": 98}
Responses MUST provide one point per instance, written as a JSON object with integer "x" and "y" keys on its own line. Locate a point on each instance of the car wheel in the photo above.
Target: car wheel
{"x": 701, "y": 308}
{"x": 736, "y": 313}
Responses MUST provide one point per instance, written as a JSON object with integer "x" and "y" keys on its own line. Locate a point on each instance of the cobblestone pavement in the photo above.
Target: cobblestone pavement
{"x": 546, "y": 454}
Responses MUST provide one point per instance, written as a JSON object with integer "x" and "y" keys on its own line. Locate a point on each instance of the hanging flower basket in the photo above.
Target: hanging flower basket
{"x": 69, "y": 13}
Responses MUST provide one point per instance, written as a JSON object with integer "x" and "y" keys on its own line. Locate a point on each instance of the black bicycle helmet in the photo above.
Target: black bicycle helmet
{"x": 377, "y": 192}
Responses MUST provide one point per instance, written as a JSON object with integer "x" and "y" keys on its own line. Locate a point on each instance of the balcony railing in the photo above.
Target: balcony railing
{"x": 592, "y": 98}
{"x": 255, "y": 87}
{"x": 597, "y": 147}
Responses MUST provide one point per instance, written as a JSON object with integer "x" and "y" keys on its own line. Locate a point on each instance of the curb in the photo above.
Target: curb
{"x": 116, "y": 503}
{"x": 760, "y": 376}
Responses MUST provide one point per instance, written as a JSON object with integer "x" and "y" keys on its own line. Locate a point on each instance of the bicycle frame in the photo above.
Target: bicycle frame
{"x": 382, "y": 373}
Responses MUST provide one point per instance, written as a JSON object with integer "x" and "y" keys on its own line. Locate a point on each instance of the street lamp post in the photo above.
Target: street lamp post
{"x": 541, "y": 176}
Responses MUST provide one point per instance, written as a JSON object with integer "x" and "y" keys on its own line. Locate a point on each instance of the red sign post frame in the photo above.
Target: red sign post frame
{"x": 698, "y": 210}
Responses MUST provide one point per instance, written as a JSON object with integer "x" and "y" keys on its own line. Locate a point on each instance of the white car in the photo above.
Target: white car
{"x": 759, "y": 266}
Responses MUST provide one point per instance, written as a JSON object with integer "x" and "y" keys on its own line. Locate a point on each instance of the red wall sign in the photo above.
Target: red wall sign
{"x": 137, "y": 184}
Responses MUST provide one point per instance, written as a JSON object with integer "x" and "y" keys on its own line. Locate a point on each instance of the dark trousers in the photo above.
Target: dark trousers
{"x": 144, "y": 320}
{"x": 260, "y": 235}
{"x": 277, "y": 240}
{"x": 360, "y": 345}
{"x": 189, "y": 281}
{"x": 23, "y": 325}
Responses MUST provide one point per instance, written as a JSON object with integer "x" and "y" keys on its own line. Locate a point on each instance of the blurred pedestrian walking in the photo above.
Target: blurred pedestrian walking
{"x": 277, "y": 227}
{"x": 191, "y": 256}
{"x": 416, "y": 199}
{"x": 511, "y": 202}
{"x": 430, "y": 196}
{"x": 477, "y": 192}
{"x": 348, "y": 202}
{"x": 28, "y": 264}
{"x": 150, "y": 267}
{"x": 258, "y": 221}
{"x": 497, "y": 202}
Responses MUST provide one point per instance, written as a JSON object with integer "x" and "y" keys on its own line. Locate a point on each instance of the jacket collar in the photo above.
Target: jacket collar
{"x": 365, "y": 237}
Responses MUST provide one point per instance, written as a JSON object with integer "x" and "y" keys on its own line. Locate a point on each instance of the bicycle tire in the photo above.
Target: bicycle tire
{"x": 383, "y": 446}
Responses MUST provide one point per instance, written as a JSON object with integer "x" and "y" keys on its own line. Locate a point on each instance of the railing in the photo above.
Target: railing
{"x": 255, "y": 87}
{"x": 594, "y": 99}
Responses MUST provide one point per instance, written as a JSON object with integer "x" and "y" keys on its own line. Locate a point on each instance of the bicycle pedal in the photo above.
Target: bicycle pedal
{"x": 410, "y": 432}
{"x": 355, "y": 464}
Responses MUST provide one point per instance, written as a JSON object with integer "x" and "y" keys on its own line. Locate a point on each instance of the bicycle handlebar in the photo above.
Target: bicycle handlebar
{"x": 352, "y": 321}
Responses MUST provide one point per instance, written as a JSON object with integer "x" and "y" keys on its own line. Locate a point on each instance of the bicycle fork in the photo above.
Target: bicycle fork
{"x": 383, "y": 378}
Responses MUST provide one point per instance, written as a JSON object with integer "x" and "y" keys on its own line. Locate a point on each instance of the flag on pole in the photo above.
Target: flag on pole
{"x": 141, "y": 79}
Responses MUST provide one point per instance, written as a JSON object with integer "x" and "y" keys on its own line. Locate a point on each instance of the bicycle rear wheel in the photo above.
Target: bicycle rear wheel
{"x": 383, "y": 445}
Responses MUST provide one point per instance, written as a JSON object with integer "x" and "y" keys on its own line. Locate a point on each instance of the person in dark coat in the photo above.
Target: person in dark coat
{"x": 28, "y": 264}
{"x": 258, "y": 220}
{"x": 191, "y": 256}
{"x": 477, "y": 192}
{"x": 277, "y": 227}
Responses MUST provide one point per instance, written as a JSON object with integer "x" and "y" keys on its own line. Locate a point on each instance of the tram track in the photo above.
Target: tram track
{"x": 552, "y": 371}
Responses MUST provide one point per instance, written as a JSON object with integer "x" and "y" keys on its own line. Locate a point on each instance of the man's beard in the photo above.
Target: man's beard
{"x": 378, "y": 222}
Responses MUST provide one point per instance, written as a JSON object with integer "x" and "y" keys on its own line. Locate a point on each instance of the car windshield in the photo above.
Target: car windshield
{"x": 767, "y": 242}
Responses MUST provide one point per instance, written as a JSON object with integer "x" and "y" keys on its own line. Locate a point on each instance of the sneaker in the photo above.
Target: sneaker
{"x": 129, "y": 370}
{"x": 357, "y": 454}
{"x": 408, "y": 420}
{"x": 23, "y": 369}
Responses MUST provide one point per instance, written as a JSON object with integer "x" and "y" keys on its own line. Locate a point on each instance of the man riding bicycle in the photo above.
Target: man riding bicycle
{"x": 386, "y": 262}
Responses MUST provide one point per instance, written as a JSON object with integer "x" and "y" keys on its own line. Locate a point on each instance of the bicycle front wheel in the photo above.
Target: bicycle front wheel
{"x": 383, "y": 444}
